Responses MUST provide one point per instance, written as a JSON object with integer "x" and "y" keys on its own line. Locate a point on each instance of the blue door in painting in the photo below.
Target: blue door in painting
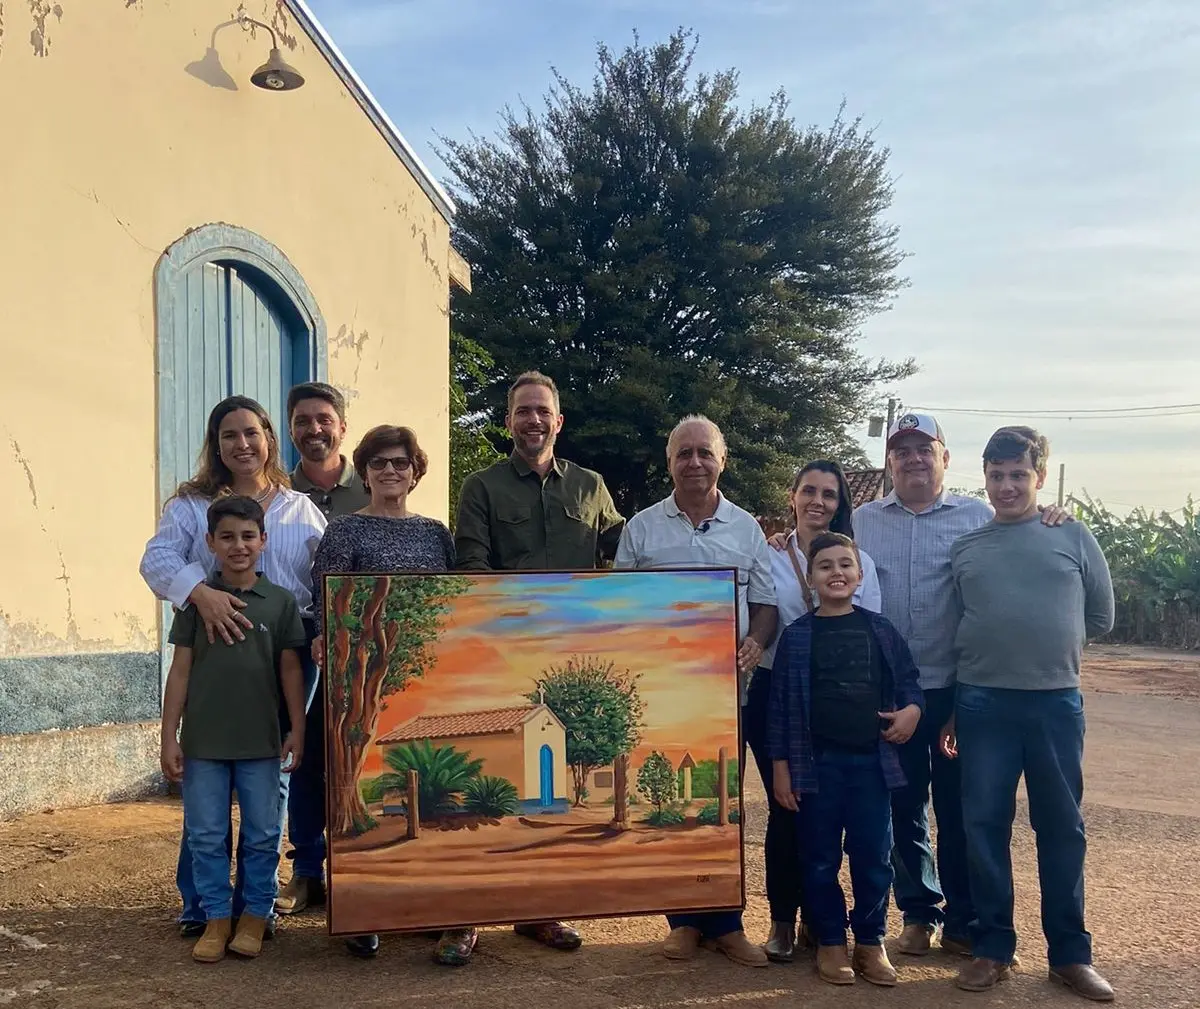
{"x": 546, "y": 759}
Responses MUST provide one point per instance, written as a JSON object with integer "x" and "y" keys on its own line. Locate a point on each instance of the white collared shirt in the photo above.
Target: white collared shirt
{"x": 662, "y": 536}
{"x": 791, "y": 595}
{"x": 177, "y": 558}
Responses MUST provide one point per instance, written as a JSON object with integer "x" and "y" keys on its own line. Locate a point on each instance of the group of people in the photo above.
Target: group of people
{"x": 887, "y": 653}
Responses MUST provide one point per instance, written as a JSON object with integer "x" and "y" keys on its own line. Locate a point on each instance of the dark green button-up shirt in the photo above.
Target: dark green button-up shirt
{"x": 346, "y": 496}
{"x": 511, "y": 519}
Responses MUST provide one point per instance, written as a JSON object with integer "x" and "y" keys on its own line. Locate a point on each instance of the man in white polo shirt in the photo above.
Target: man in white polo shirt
{"x": 696, "y": 526}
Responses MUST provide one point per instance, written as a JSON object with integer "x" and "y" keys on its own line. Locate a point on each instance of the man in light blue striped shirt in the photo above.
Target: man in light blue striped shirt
{"x": 909, "y": 534}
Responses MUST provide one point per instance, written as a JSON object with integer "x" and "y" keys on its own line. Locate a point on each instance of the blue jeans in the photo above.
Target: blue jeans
{"x": 207, "y": 785}
{"x": 852, "y": 801}
{"x": 306, "y": 802}
{"x": 301, "y": 826}
{"x": 711, "y": 924}
{"x": 919, "y": 888}
{"x": 1002, "y": 734}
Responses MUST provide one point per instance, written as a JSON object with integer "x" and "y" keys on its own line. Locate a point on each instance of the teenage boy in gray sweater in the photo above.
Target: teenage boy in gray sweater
{"x": 1029, "y": 596}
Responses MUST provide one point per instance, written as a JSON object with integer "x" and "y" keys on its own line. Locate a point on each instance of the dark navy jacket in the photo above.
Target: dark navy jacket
{"x": 789, "y": 734}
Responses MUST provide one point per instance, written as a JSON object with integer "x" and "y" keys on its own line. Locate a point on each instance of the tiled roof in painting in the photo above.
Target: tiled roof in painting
{"x": 466, "y": 723}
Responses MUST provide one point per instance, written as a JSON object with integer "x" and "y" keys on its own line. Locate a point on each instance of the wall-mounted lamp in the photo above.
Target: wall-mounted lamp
{"x": 275, "y": 74}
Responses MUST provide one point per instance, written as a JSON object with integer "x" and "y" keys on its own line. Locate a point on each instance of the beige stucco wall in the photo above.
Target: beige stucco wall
{"x": 111, "y": 151}
{"x": 545, "y": 729}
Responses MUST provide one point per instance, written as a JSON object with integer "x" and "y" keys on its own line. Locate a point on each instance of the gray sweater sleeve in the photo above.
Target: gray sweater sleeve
{"x": 1099, "y": 607}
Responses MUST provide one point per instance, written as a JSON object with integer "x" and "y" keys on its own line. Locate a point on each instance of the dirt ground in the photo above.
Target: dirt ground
{"x": 381, "y": 877}
{"x": 87, "y": 904}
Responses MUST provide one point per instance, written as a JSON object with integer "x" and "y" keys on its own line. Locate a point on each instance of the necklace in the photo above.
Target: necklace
{"x": 259, "y": 499}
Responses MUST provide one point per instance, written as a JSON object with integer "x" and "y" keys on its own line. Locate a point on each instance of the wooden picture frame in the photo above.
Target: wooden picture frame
{"x": 480, "y": 726}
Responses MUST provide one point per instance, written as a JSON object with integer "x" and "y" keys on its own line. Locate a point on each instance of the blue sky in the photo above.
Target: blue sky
{"x": 1045, "y": 153}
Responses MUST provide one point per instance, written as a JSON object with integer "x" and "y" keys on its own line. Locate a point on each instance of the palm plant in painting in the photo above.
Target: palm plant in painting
{"x": 491, "y": 796}
{"x": 444, "y": 775}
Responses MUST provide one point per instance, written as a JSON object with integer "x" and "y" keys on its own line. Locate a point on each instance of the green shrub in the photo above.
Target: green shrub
{"x": 704, "y": 779}
{"x": 710, "y": 814}
{"x": 443, "y": 774}
{"x": 668, "y": 817}
{"x": 372, "y": 790}
{"x": 491, "y": 796}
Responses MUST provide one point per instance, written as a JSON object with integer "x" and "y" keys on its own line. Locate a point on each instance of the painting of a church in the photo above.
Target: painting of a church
{"x": 526, "y": 745}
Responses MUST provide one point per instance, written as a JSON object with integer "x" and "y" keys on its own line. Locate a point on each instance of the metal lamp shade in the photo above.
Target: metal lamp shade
{"x": 276, "y": 75}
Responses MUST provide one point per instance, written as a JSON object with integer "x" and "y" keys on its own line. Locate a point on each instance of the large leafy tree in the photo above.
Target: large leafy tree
{"x": 600, "y": 707}
{"x": 659, "y": 250}
{"x": 470, "y": 430}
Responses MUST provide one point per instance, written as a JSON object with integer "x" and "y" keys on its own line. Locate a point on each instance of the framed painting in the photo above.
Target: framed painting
{"x": 530, "y": 746}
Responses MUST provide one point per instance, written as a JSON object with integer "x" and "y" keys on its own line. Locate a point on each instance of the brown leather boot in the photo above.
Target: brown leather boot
{"x": 741, "y": 950}
{"x": 211, "y": 946}
{"x": 833, "y": 965}
{"x": 1083, "y": 979}
{"x": 300, "y": 893}
{"x": 873, "y": 964}
{"x": 915, "y": 939}
{"x": 682, "y": 943}
{"x": 249, "y": 938}
{"x": 982, "y": 974}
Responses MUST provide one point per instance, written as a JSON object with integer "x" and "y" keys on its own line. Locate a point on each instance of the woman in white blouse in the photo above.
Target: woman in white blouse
{"x": 820, "y": 501}
{"x": 240, "y": 455}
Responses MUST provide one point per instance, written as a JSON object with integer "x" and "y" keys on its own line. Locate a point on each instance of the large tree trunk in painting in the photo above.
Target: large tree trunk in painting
{"x": 357, "y": 704}
{"x": 621, "y": 792}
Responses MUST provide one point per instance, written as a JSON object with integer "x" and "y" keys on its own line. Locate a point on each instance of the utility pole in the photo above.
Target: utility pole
{"x": 1062, "y": 479}
{"x": 887, "y": 476}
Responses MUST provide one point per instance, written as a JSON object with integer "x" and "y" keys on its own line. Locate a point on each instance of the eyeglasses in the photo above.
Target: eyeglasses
{"x": 400, "y": 463}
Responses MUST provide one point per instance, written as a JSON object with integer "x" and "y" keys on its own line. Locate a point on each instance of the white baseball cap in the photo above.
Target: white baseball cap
{"x": 917, "y": 423}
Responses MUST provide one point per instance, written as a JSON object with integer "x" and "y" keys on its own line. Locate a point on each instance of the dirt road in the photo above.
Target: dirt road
{"x": 87, "y": 900}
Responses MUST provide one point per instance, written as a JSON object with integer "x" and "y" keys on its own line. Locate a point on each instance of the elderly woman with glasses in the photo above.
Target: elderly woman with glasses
{"x": 383, "y": 536}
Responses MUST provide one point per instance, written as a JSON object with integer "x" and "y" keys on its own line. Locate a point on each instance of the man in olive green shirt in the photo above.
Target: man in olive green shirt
{"x": 532, "y": 511}
{"x": 317, "y": 422}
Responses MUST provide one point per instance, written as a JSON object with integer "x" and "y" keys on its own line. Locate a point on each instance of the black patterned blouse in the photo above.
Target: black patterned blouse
{"x": 363, "y": 543}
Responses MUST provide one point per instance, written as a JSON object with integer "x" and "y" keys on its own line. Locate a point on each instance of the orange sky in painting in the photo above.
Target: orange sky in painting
{"x": 495, "y": 645}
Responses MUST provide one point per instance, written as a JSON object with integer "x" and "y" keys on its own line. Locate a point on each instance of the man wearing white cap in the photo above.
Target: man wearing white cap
{"x": 909, "y": 534}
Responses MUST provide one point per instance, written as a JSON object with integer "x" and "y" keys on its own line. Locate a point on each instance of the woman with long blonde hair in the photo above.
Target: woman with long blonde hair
{"x": 240, "y": 456}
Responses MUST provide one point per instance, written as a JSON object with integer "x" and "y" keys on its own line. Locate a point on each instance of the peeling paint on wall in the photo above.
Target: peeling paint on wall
{"x": 279, "y": 21}
{"x": 23, "y": 639}
{"x": 1, "y": 29}
{"x": 274, "y": 13}
{"x": 41, "y": 11}
{"x": 347, "y": 340}
{"x": 24, "y": 464}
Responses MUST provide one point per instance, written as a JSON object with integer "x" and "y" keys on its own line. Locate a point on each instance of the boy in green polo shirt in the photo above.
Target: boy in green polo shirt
{"x": 228, "y": 699}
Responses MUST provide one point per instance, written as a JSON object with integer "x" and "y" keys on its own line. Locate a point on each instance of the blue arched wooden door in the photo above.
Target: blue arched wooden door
{"x": 234, "y": 317}
{"x": 546, "y": 761}
{"x": 234, "y": 335}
